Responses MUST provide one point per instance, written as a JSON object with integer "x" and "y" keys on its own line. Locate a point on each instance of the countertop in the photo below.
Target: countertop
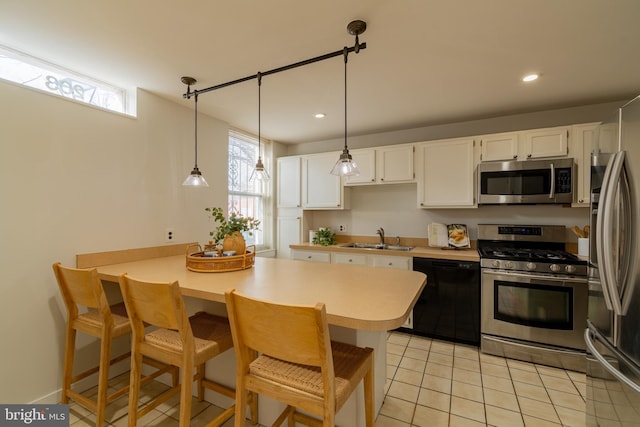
{"x": 470, "y": 254}
{"x": 356, "y": 297}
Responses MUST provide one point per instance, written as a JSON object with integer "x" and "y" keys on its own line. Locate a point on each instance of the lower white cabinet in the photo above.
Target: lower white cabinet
{"x": 346, "y": 258}
{"x": 385, "y": 261}
{"x": 315, "y": 256}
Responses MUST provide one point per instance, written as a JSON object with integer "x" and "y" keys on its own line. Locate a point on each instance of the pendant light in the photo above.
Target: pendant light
{"x": 345, "y": 166}
{"x": 195, "y": 178}
{"x": 259, "y": 173}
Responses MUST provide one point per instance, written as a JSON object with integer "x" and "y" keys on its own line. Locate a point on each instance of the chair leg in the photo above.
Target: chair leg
{"x": 241, "y": 405}
{"x": 369, "y": 411}
{"x": 103, "y": 377}
{"x": 185, "y": 391}
{"x": 134, "y": 385}
{"x": 200, "y": 376}
{"x": 69, "y": 353}
{"x": 253, "y": 407}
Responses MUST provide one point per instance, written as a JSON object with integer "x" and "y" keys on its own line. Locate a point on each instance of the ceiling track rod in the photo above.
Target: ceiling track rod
{"x": 340, "y": 52}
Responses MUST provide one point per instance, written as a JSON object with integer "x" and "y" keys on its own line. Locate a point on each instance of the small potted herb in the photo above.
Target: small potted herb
{"x": 324, "y": 237}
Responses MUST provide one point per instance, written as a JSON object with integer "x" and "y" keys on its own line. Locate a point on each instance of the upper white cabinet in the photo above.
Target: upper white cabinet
{"x": 530, "y": 144}
{"x": 383, "y": 165}
{"x": 320, "y": 189}
{"x": 583, "y": 144}
{"x": 446, "y": 173}
{"x": 288, "y": 182}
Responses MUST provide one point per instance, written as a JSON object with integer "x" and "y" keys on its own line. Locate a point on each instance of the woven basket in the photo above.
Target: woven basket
{"x": 196, "y": 261}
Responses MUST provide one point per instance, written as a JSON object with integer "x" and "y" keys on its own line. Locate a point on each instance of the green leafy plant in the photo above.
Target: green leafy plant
{"x": 324, "y": 237}
{"x": 228, "y": 225}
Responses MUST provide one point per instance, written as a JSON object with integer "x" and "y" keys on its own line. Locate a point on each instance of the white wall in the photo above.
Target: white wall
{"x": 75, "y": 179}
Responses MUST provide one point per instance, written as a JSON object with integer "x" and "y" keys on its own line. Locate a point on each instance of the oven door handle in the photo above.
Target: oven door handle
{"x": 552, "y": 191}
{"x": 509, "y": 274}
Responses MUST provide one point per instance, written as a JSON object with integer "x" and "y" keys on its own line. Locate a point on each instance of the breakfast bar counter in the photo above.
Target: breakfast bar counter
{"x": 362, "y": 303}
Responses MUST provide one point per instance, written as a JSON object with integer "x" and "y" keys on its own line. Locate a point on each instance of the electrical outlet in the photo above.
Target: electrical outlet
{"x": 169, "y": 236}
{"x": 342, "y": 228}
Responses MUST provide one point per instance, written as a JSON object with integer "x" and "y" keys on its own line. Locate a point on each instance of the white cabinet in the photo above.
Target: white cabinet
{"x": 383, "y": 165}
{"x": 289, "y": 232}
{"x": 446, "y": 173}
{"x": 387, "y": 261}
{"x": 320, "y": 189}
{"x": 347, "y": 258}
{"x": 530, "y": 144}
{"x": 315, "y": 256}
{"x": 288, "y": 182}
{"x": 581, "y": 148}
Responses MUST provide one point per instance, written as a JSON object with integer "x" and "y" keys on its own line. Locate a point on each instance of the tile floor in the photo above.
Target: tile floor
{"x": 429, "y": 383}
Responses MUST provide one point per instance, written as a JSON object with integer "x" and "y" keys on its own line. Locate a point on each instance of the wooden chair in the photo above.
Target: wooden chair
{"x": 298, "y": 364}
{"x": 185, "y": 342}
{"x": 83, "y": 288}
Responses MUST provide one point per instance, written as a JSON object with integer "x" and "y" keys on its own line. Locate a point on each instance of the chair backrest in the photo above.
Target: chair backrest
{"x": 154, "y": 303}
{"x": 297, "y": 334}
{"x": 81, "y": 287}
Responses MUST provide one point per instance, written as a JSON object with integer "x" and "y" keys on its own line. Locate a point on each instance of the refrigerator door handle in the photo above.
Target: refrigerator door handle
{"x": 605, "y": 363}
{"x": 602, "y": 238}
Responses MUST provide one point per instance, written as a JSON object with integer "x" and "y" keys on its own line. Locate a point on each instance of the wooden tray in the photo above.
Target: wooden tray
{"x": 196, "y": 261}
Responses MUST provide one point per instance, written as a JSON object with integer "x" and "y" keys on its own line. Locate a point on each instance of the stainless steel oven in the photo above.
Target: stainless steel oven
{"x": 534, "y": 295}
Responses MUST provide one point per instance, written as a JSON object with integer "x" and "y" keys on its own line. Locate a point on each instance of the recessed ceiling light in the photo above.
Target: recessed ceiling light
{"x": 530, "y": 77}
{"x": 320, "y": 115}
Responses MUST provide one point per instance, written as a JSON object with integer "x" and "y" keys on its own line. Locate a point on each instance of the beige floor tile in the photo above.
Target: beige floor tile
{"x": 457, "y": 421}
{"x": 501, "y": 399}
{"x": 531, "y": 391}
{"x": 434, "y": 399}
{"x": 412, "y": 364}
{"x": 442, "y": 347}
{"x": 420, "y": 342}
{"x": 491, "y": 359}
{"x": 393, "y": 359}
{"x": 467, "y": 391}
{"x": 573, "y": 418}
{"x": 443, "y": 385}
{"x": 416, "y": 353}
{"x": 497, "y": 383}
{"x": 503, "y": 418}
{"x": 519, "y": 364}
{"x": 441, "y": 358}
{"x": 538, "y": 409}
{"x": 559, "y": 384}
{"x": 468, "y": 409}
{"x": 408, "y": 376}
{"x": 552, "y": 372}
{"x": 468, "y": 377}
{"x": 384, "y": 421}
{"x": 530, "y": 421}
{"x": 464, "y": 363}
{"x": 526, "y": 377}
{"x": 398, "y": 338}
{"x": 404, "y": 391}
{"x": 395, "y": 348}
{"x": 495, "y": 370}
{"x": 425, "y": 416}
{"x": 397, "y": 408}
{"x": 577, "y": 377}
{"x": 567, "y": 400}
{"x": 466, "y": 351}
{"x": 439, "y": 370}
{"x": 391, "y": 371}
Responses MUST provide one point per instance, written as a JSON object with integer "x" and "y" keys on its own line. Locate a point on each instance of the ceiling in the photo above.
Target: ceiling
{"x": 427, "y": 62}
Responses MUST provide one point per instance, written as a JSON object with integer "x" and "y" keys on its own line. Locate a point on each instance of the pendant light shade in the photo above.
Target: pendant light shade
{"x": 259, "y": 172}
{"x": 195, "y": 178}
{"x": 345, "y": 166}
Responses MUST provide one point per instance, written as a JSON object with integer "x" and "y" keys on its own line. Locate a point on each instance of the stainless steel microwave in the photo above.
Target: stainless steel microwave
{"x": 529, "y": 182}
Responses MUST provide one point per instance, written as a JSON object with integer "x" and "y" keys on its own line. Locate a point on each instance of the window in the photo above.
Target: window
{"x": 41, "y": 75}
{"x": 248, "y": 197}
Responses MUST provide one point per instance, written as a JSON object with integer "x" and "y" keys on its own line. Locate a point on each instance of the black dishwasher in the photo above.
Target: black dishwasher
{"x": 449, "y": 305}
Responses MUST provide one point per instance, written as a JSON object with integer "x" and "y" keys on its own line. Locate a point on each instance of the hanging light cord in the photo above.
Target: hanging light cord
{"x": 196, "y": 133}
{"x": 259, "y": 109}
{"x": 346, "y": 54}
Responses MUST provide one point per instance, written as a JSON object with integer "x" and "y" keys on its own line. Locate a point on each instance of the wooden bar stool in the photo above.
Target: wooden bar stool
{"x": 83, "y": 288}
{"x": 298, "y": 363}
{"x": 185, "y": 342}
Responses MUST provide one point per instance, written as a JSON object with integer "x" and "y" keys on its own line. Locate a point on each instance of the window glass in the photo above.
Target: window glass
{"x": 246, "y": 196}
{"x": 38, "y": 74}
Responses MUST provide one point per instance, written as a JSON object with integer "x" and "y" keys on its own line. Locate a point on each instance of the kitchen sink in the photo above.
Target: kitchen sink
{"x": 376, "y": 246}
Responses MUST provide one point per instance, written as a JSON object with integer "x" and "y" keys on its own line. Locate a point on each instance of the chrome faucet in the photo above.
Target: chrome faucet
{"x": 380, "y": 232}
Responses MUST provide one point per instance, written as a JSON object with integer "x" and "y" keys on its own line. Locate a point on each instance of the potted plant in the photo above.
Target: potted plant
{"x": 324, "y": 237}
{"x": 230, "y": 229}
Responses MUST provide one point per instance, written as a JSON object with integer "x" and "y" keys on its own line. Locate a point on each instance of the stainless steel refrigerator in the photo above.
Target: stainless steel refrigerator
{"x": 613, "y": 333}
